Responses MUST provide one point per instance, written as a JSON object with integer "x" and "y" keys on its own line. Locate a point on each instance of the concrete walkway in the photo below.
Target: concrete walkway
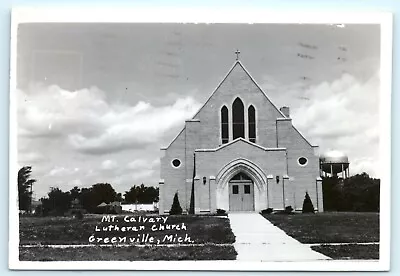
{"x": 257, "y": 239}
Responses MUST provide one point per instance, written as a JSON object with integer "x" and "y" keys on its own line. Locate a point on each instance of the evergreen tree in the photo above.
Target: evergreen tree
{"x": 191, "y": 207}
{"x": 308, "y": 207}
{"x": 176, "y": 207}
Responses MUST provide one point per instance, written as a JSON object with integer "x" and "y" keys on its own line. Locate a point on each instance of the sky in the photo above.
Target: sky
{"x": 96, "y": 102}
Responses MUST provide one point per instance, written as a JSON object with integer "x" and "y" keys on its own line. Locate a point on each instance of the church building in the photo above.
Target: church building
{"x": 239, "y": 152}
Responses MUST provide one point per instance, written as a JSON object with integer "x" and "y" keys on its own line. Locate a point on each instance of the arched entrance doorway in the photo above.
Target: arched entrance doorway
{"x": 241, "y": 193}
{"x": 249, "y": 171}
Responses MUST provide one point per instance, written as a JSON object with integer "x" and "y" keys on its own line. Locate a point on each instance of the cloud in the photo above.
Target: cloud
{"x": 53, "y": 112}
{"x": 139, "y": 164}
{"x": 57, "y": 171}
{"x": 75, "y": 182}
{"x": 142, "y": 175}
{"x": 134, "y": 127}
{"x": 92, "y": 125}
{"x": 30, "y": 157}
{"x": 62, "y": 171}
{"x": 343, "y": 115}
{"x": 155, "y": 163}
{"x": 109, "y": 165}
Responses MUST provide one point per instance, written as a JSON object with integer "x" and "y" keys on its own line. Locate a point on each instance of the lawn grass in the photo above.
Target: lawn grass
{"x": 349, "y": 251}
{"x": 67, "y": 230}
{"x": 208, "y": 230}
{"x": 329, "y": 227}
{"x": 209, "y": 252}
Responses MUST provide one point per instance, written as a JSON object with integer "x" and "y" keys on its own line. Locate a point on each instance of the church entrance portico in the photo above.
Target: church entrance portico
{"x": 240, "y": 186}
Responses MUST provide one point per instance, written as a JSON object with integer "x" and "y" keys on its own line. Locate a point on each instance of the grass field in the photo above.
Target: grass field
{"x": 333, "y": 227}
{"x": 210, "y": 252}
{"x": 213, "y": 231}
{"x": 329, "y": 227}
{"x": 67, "y": 230}
{"x": 212, "y": 237}
{"x": 349, "y": 251}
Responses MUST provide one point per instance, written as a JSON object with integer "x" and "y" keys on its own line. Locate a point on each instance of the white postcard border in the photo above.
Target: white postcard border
{"x": 204, "y": 15}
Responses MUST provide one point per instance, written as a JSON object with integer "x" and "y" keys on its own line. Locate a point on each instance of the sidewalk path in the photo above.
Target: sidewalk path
{"x": 257, "y": 239}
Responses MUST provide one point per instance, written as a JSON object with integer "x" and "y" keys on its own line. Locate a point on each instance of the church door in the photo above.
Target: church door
{"x": 241, "y": 193}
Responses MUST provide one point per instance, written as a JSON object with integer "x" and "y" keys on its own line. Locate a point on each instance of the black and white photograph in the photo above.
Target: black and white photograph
{"x": 248, "y": 144}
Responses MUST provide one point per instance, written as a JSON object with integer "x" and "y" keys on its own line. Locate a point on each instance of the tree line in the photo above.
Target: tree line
{"x": 358, "y": 193}
{"x": 58, "y": 201}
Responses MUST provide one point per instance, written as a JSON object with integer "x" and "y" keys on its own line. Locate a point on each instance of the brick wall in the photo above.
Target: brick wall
{"x": 302, "y": 178}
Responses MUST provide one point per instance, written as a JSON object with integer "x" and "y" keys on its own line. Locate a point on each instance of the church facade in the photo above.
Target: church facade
{"x": 239, "y": 152}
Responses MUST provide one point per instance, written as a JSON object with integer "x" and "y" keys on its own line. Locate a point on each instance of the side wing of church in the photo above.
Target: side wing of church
{"x": 239, "y": 152}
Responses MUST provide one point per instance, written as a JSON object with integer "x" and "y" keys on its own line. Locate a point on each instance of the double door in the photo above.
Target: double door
{"x": 241, "y": 195}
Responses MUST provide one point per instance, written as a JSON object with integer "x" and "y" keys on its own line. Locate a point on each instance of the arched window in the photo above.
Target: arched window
{"x": 238, "y": 118}
{"x": 252, "y": 124}
{"x": 224, "y": 125}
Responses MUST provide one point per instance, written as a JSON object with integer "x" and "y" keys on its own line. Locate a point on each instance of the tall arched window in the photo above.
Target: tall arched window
{"x": 238, "y": 118}
{"x": 252, "y": 124}
{"x": 224, "y": 125}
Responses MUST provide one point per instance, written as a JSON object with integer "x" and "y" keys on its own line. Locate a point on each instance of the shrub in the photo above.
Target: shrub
{"x": 176, "y": 208}
{"x": 221, "y": 212}
{"x": 308, "y": 207}
{"x": 267, "y": 211}
{"x": 288, "y": 210}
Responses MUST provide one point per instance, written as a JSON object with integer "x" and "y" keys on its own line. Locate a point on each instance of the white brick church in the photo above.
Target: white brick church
{"x": 240, "y": 153}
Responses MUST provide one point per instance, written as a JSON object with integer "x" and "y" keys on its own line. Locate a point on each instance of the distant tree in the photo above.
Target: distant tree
{"x": 154, "y": 194}
{"x": 75, "y": 192}
{"x": 86, "y": 199}
{"x": 176, "y": 208}
{"x": 142, "y": 194}
{"x": 45, "y": 206}
{"x": 308, "y": 207}
{"x": 102, "y": 192}
{"x": 359, "y": 193}
{"x": 39, "y": 210}
{"x": 24, "y": 188}
{"x": 57, "y": 202}
{"x": 119, "y": 197}
{"x": 131, "y": 195}
{"x": 332, "y": 194}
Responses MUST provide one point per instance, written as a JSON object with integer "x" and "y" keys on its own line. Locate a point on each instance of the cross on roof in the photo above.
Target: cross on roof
{"x": 237, "y": 54}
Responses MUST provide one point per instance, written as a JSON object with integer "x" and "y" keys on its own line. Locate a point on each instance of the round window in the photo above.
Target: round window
{"x": 302, "y": 161}
{"x": 176, "y": 163}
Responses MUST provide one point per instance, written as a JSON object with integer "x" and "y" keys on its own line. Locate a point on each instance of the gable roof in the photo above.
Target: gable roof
{"x": 237, "y": 63}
